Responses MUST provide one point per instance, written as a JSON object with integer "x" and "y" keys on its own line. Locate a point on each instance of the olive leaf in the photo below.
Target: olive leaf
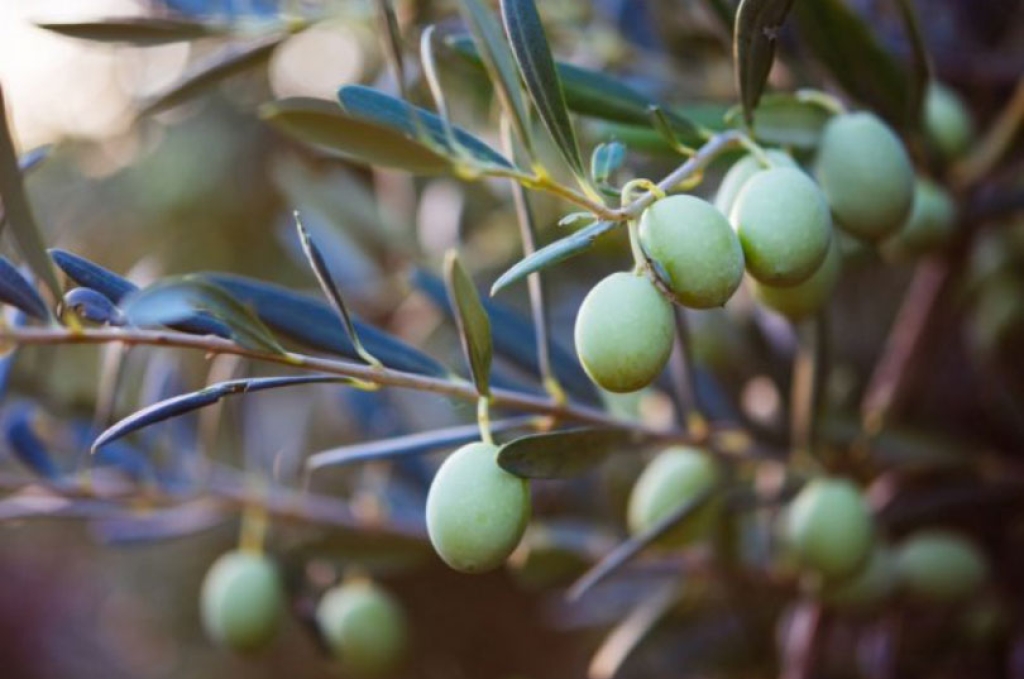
{"x": 552, "y": 254}
{"x": 19, "y": 293}
{"x": 472, "y": 321}
{"x": 139, "y": 31}
{"x": 26, "y": 445}
{"x": 756, "y": 31}
{"x": 786, "y": 119}
{"x": 565, "y": 453}
{"x": 920, "y": 65}
{"x": 605, "y": 160}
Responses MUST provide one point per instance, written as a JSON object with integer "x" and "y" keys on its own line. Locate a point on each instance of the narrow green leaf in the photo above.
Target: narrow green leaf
{"x": 387, "y": 20}
{"x": 326, "y": 126}
{"x": 18, "y": 212}
{"x": 920, "y": 65}
{"x": 206, "y": 73}
{"x": 374, "y": 106}
{"x": 758, "y": 23}
{"x": 606, "y": 159}
{"x": 18, "y": 292}
{"x": 785, "y": 119}
{"x": 561, "y": 454}
{"x": 140, "y": 31}
{"x": 551, "y": 254}
{"x": 500, "y": 64}
{"x": 537, "y": 67}
{"x": 474, "y": 325}
{"x": 846, "y": 47}
{"x": 177, "y": 299}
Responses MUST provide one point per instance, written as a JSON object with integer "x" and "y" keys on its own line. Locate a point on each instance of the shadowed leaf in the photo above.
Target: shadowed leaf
{"x": 141, "y": 31}
{"x": 632, "y": 630}
{"x": 758, "y": 23}
{"x": 471, "y": 318}
{"x": 26, "y": 445}
{"x": 552, "y": 254}
{"x": 561, "y": 454}
{"x": 920, "y": 65}
{"x": 784, "y": 119}
{"x": 606, "y": 159}
{"x": 18, "y": 292}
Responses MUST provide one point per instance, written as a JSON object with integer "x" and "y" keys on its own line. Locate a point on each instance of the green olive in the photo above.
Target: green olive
{"x": 624, "y": 332}
{"x": 930, "y": 225}
{"x": 741, "y": 171}
{"x": 947, "y": 121}
{"x": 866, "y": 175}
{"x": 804, "y": 299}
{"x": 784, "y": 226}
{"x": 875, "y": 582}
{"x": 940, "y": 566}
{"x": 830, "y": 527}
{"x": 242, "y": 601}
{"x": 675, "y": 477}
{"x": 476, "y": 511}
{"x": 695, "y": 247}
{"x": 364, "y": 627}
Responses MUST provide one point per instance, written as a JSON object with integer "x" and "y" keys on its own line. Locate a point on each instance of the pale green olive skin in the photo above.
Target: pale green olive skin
{"x": 364, "y": 627}
{"x": 866, "y": 175}
{"x": 938, "y": 566}
{"x": 803, "y": 300}
{"x": 874, "y": 583}
{"x": 695, "y": 247}
{"x": 741, "y": 172}
{"x": 784, "y": 226}
{"x": 830, "y": 527}
{"x": 947, "y": 122}
{"x": 242, "y": 601}
{"x": 673, "y": 478}
{"x": 624, "y": 331}
{"x": 931, "y": 224}
{"x": 476, "y": 511}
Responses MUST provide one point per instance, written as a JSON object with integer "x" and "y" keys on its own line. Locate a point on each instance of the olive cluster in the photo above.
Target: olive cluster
{"x": 242, "y": 605}
{"x": 780, "y": 224}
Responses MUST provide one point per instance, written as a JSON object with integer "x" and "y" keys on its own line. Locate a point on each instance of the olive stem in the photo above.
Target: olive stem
{"x": 688, "y": 406}
{"x": 483, "y": 418}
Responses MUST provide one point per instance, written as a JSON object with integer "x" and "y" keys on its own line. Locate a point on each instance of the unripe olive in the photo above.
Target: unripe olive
{"x": 871, "y": 585}
{"x": 929, "y": 226}
{"x": 624, "y": 332}
{"x": 364, "y": 627}
{"x": 695, "y": 247}
{"x": 947, "y": 121}
{"x": 673, "y": 478}
{"x": 940, "y": 566}
{"x": 784, "y": 226}
{"x": 866, "y": 175}
{"x": 804, "y": 299}
{"x": 242, "y": 601}
{"x": 476, "y": 511}
{"x": 741, "y": 171}
{"x": 829, "y": 525}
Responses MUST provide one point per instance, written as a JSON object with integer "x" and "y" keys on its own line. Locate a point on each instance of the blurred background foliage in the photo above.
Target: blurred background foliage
{"x": 207, "y": 186}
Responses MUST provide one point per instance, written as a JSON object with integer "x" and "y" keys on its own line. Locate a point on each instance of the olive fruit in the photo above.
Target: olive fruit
{"x": 364, "y": 627}
{"x": 784, "y": 226}
{"x": 870, "y": 586}
{"x": 695, "y": 248}
{"x": 741, "y": 171}
{"x": 476, "y": 511}
{"x": 940, "y": 566}
{"x": 675, "y": 477}
{"x": 829, "y": 526}
{"x": 947, "y": 123}
{"x": 929, "y": 226}
{"x": 624, "y": 332}
{"x": 804, "y": 299}
{"x": 866, "y": 175}
{"x": 242, "y": 601}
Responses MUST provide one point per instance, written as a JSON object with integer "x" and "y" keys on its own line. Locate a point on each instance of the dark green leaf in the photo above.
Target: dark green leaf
{"x": 18, "y": 292}
{"x": 140, "y": 31}
{"x": 325, "y": 125}
{"x": 561, "y": 454}
{"x": 18, "y": 211}
{"x": 920, "y": 66}
{"x": 178, "y": 299}
{"x": 412, "y": 444}
{"x": 553, "y": 253}
{"x": 229, "y": 61}
{"x": 500, "y": 63}
{"x": 537, "y": 67}
{"x": 186, "y": 403}
{"x": 845, "y": 45}
{"x": 785, "y": 119}
{"x": 606, "y": 159}
{"x": 391, "y": 547}
{"x": 470, "y": 317}
{"x": 724, "y": 12}
{"x": 758, "y": 23}
{"x": 313, "y": 323}
{"x": 374, "y": 106}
